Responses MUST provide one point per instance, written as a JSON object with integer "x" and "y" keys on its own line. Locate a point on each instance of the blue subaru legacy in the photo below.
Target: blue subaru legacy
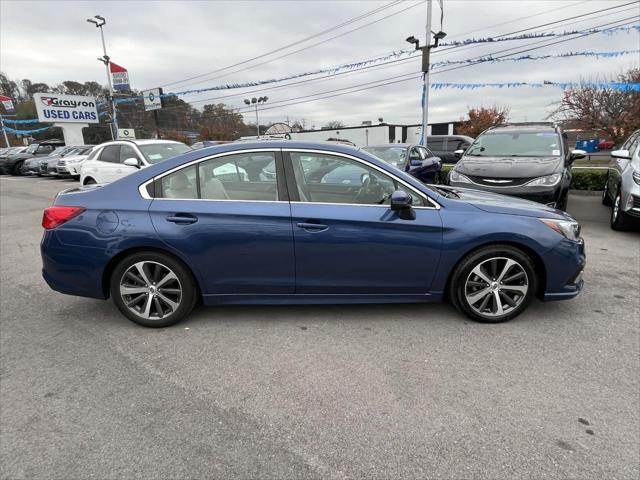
{"x": 210, "y": 225}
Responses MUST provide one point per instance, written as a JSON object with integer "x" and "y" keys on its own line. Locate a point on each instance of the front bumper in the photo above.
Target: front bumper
{"x": 545, "y": 195}
{"x": 565, "y": 266}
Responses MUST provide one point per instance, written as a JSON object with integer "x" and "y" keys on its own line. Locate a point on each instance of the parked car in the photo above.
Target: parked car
{"x": 527, "y": 160}
{"x": 445, "y": 146}
{"x": 71, "y": 162}
{"x": 159, "y": 240}
{"x": 14, "y": 164}
{"x": 606, "y": 145}
{"x": 622, "y": 189}
{"x": 110, "y": 161}
{"x": 6, "y": 162}
{"x": 416, "y": 160}
{"x": 47, "y": 165}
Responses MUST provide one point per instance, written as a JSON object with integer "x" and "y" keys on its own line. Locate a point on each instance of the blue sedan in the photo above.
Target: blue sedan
{"x": 168, "y": 236}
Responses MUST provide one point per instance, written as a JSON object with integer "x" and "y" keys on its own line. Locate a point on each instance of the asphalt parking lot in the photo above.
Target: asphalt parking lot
{"x": 392, "y": 391}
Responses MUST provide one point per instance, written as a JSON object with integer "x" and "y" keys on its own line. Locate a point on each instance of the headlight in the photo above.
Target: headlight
{"x": 566, "y": 228}
{"x": 636, "y": 177}
{"x": 458, "y": 177}
{"x": 548, "y": 181}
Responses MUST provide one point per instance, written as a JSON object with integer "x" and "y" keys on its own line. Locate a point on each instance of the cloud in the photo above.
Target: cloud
{"x": 162, "y": 42}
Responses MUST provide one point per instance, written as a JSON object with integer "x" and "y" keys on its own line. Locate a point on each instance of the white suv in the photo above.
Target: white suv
{"x": 113, "y": 160}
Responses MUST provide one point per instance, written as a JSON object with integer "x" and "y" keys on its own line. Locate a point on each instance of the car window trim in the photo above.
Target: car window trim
{"x": 142, "y": 189}
{"x": 435, "y": 205}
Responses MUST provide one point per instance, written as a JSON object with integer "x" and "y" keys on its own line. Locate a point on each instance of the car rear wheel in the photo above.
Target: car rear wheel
{"x": 18, "y": 169}
{"x": 153, "y": 289}
{"x": 619, "y": 219}
{"x": 493, "y": 284}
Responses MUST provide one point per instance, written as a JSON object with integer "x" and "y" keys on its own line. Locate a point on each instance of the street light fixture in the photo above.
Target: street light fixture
{"x": 106, "y": 60}
{"x": 256, "y": 101}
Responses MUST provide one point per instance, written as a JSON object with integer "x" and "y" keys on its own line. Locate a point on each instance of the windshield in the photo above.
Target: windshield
{"x": 516, "y": 144}
{"x": 157, "y": 152}
{"x": 32, "y": 148}
{"x": 392, "y": 155}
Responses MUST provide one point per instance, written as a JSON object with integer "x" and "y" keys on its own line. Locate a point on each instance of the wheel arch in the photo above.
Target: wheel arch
{"x": 108, "y": 270}
{"x": 538, "y": 263}
{"x": 84, "y": 180}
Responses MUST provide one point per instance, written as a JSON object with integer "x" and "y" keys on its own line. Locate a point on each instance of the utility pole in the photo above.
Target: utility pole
{"x": 105, "y": 59}
{"x": 426, "y": 51}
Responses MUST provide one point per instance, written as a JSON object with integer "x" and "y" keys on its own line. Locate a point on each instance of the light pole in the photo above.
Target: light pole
{"x": 105, "y": 59}
{"x": 426, "y": 50}
{"x": 255, "y": 101}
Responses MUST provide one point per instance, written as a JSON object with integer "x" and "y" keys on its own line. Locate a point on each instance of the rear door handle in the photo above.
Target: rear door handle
{"x": 182, "y": 219}
{"x": 313, "y": 227}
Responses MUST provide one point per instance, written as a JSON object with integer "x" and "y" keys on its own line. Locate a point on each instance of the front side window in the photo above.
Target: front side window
{"x": 157, "y": 152}
{"x": 323, "y": 178}
{"x": 111, "y": 154}
{"x": 127, "y": 151}
{"x": 516, "y": 143}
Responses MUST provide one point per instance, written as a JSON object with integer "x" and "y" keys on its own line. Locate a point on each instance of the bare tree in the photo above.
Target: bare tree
{"x": 613, "y": 111}
{"x": 481, "y": 118}
{"x": 333, "y": 125}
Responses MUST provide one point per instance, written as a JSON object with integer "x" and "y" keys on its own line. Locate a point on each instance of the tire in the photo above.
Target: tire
{"x": 89, "y": 181}
{"x": 510, "y": 297}
{"x": 17, "y": 169}
{"x": 619, "y": 220}
{"x": 147, "y": 304}
{"x": 606, "y": 200}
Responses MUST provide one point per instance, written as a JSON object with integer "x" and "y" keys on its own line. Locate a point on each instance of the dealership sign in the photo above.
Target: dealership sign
{"x": 126, "y": 133}
{"x": 52, "y": 107}
{"x": 152, "y": 99}
{"x": 119, "y": 77}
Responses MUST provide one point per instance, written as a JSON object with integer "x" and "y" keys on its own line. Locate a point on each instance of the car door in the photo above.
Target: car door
{"x": 348, "y": 240}
{"x": 105, "y": 165}
{"x": 618, "y": 165}
{"x": 235, "y": 230}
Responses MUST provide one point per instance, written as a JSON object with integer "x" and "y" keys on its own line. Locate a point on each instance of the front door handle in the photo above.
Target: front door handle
{"x": 313, "y": 227}
{"x": 182, "y": 219}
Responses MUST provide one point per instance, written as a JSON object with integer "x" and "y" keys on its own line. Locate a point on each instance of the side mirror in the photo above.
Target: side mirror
{"x": 458, "y": 154}
{"x": 414, "y": 162}
{"x": 577, "y": 154}
{"x": 626, "y": 154}
{"x": 402, "y": 202}
{"x": 131, "y": 162}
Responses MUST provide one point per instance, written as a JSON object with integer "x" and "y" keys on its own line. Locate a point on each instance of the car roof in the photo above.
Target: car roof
{"x": 541, "y": 126}
{"x": 145, "y": 141}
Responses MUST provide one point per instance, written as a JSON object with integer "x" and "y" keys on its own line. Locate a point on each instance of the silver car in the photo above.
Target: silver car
{"x": 622, "y": 190}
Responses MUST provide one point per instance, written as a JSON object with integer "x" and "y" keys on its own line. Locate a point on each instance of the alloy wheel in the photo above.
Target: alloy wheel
{"x": 150, "y": 290}
{"x": 616, "y": 209}
{"x": 496, "y": 287}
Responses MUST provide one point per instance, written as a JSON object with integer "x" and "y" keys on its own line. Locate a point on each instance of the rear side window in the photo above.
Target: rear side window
{"x": 111, "y": 154}
{"x": 244, "y": 176}
{"x": 436, "y": 144}
{"x": 180, "y": 184}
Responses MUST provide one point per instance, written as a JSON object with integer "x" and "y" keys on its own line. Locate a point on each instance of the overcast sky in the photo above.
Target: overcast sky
{"x": 165, "y": 42}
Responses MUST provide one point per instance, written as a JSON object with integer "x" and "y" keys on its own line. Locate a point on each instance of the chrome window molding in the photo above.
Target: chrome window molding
{"x": 142, "y": 189}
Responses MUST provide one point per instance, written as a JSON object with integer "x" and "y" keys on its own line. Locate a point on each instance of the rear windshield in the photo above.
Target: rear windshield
{"x": 157, "y": 152}
{"x": 516, "y": 144}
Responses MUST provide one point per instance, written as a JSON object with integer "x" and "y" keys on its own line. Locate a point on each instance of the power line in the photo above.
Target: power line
{"x": 284, "y": 47}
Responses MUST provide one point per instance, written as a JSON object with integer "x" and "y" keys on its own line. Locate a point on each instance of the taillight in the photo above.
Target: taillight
{"x": 55, "y": 216}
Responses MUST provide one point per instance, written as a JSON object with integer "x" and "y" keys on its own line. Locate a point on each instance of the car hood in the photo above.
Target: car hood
{"x": 509, "y": 167}
{"x": 496, "y": 203}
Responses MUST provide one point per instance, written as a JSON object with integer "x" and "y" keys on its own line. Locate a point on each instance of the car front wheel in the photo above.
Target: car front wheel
{"x": 153, "y": 289}
{"x": 619, "y": 219}
{"x": 493, "y": 284}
